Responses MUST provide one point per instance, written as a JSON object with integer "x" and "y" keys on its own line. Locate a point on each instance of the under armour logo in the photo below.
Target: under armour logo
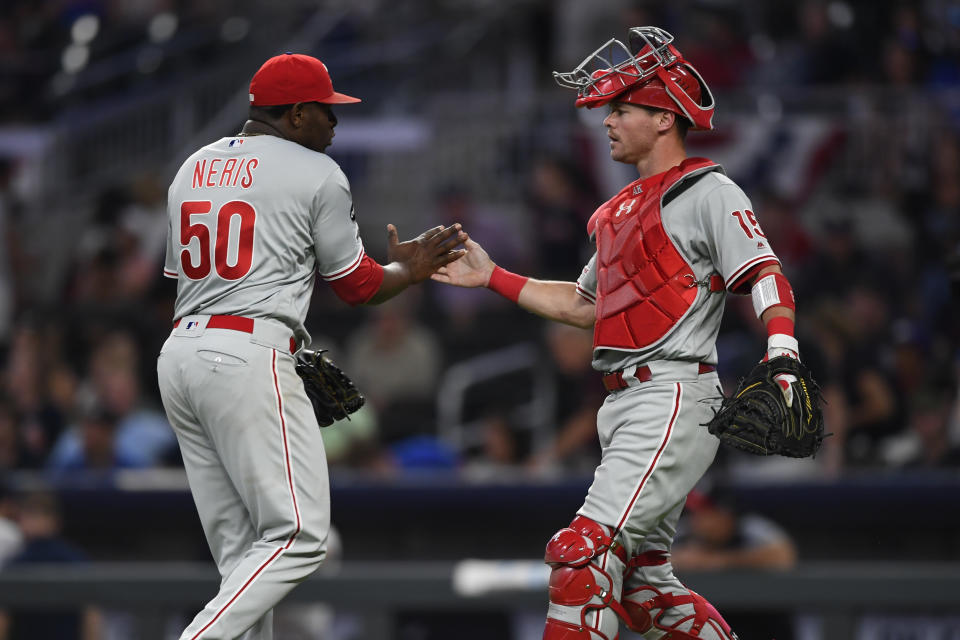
{"x": 625, "y": 207}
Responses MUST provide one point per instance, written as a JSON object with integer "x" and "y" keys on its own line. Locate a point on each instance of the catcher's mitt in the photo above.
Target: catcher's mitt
{"x": 757, "y": 419}
{"x": 333, "y": 394}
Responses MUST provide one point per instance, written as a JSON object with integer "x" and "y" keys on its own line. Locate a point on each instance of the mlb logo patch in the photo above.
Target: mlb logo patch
{"x": 191, "y": 326}
{"x": 236, "y": 141}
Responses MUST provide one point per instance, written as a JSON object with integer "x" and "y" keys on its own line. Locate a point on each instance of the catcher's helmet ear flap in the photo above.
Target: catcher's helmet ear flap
{"x": 650, "y": 72}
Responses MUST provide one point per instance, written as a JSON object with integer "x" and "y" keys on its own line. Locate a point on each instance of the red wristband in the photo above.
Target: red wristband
{"x": 506, "y": 283}
{"x": 780, "y": 324}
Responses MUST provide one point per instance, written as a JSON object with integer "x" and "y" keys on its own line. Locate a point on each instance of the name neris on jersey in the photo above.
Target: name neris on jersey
{"x": 224, "y": 172}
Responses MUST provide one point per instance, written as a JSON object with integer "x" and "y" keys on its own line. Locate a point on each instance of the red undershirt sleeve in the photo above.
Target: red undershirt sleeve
{"x": 358, "y": 286}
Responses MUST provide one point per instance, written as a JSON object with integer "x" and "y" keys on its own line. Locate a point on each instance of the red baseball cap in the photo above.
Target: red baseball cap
{"x": 294, "y": 77}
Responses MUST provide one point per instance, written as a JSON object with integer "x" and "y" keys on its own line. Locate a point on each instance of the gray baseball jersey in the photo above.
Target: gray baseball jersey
{"x": 252, "y": 219}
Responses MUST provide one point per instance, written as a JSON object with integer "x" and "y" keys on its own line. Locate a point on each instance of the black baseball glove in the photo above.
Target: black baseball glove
{"x": 758, "y": 419}
{"x": 333, "y": 394}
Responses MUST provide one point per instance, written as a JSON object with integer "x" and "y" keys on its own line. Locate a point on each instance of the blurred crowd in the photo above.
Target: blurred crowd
{"x": 864, "y": 212}
{"x": 60, "y": 54}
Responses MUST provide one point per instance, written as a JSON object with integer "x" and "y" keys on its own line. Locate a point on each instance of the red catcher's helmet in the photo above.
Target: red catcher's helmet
{"x": 650, "y": 72}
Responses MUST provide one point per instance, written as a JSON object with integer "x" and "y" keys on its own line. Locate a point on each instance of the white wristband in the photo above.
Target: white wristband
{"x": 764, "y": 293}
{"x": 778, "y": 341}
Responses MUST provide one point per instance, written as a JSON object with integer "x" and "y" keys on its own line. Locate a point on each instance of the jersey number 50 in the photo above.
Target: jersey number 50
{"x": 221, "y": 249}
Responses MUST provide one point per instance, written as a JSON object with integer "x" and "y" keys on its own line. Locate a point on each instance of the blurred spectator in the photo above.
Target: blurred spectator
{"x": 141, "y": 435}
{"x": 40, "y": 521}
{"x": 714, "y": 535}
{"x": 117, "y": 259}
{"x": 787, "y": 236}
{"x": 937, "y": 224}
{"x": 578, "y": 395}
{"x": 11, "y": 538}
{"x": 838, "y": 251}
{"x": 825, "y": 334}
{"x": 96, "y": 449}
{"x": 501, "y": 448}
{"x": 355, "y": 443}
{"x": 12, "y": 454}
{"x": 928, "y": 443}
{"x": 11, "y": 253}
{"x": 395, "y": 360}
{"x": 463, "y": 310}
{"x": 40, "y": 387}
{"x": 914, "y": 367}
{"x": 900, "y": 65}
{"x": 560, "y": 202}
{"x": 875, "y": 409}
{"x": 145, "y": 218}
{"x": 717, "y": 46}
{"x": 820, "y": 52}
{"x": 559, "y": 434}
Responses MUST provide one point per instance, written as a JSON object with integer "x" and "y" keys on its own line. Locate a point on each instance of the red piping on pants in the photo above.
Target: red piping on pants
{"x": 293, "y": 496}
{"x": 653, "y": 464}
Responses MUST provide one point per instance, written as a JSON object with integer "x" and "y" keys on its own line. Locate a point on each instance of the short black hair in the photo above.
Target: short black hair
{"x": 273, "y": 112}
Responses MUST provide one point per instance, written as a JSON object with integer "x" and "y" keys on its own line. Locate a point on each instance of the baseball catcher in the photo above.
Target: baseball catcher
{"x": 332, "y": 393}
{"x": 775, "y": 410}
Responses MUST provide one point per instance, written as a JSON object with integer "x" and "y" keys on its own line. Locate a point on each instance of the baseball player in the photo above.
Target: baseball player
{"x": 668, "y": 247}
{"x": 252, "y": 218}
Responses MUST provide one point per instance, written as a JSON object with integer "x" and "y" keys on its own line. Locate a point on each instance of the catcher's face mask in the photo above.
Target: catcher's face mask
{"x": 650, "y": 72}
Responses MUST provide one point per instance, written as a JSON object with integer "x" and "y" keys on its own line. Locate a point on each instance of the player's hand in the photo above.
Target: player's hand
{"x": 473, "y": 270}
{"x": 785, "y": 380}
{"x": 426, "y": 253}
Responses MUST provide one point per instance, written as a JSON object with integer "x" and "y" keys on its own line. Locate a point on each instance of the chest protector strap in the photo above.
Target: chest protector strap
{"x": 644, "y": 284}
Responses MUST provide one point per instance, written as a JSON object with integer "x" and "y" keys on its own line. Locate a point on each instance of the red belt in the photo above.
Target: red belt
{"x": 614, "y": 381}
{"x": 235, "y": 323}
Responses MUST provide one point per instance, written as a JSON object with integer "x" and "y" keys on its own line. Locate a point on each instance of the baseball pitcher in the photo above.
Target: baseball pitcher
{"x": 253, "y": 218}
{"x": 668, "y": 247}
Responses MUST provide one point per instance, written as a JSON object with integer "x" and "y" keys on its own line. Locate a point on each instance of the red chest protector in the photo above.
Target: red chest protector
{"x": 644, "y": 284}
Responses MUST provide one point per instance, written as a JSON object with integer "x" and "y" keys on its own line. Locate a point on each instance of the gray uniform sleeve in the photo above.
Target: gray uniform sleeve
{"x": 587, "y": 282}
{"x": 336, "y": 236}
{"x": 170, "y": 263}
{"x": 732, "y": 236}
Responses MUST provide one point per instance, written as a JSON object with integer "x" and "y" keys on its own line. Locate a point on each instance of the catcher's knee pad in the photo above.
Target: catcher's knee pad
{"x": 677, "y": 616}
{"x": 585, "y": 582}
